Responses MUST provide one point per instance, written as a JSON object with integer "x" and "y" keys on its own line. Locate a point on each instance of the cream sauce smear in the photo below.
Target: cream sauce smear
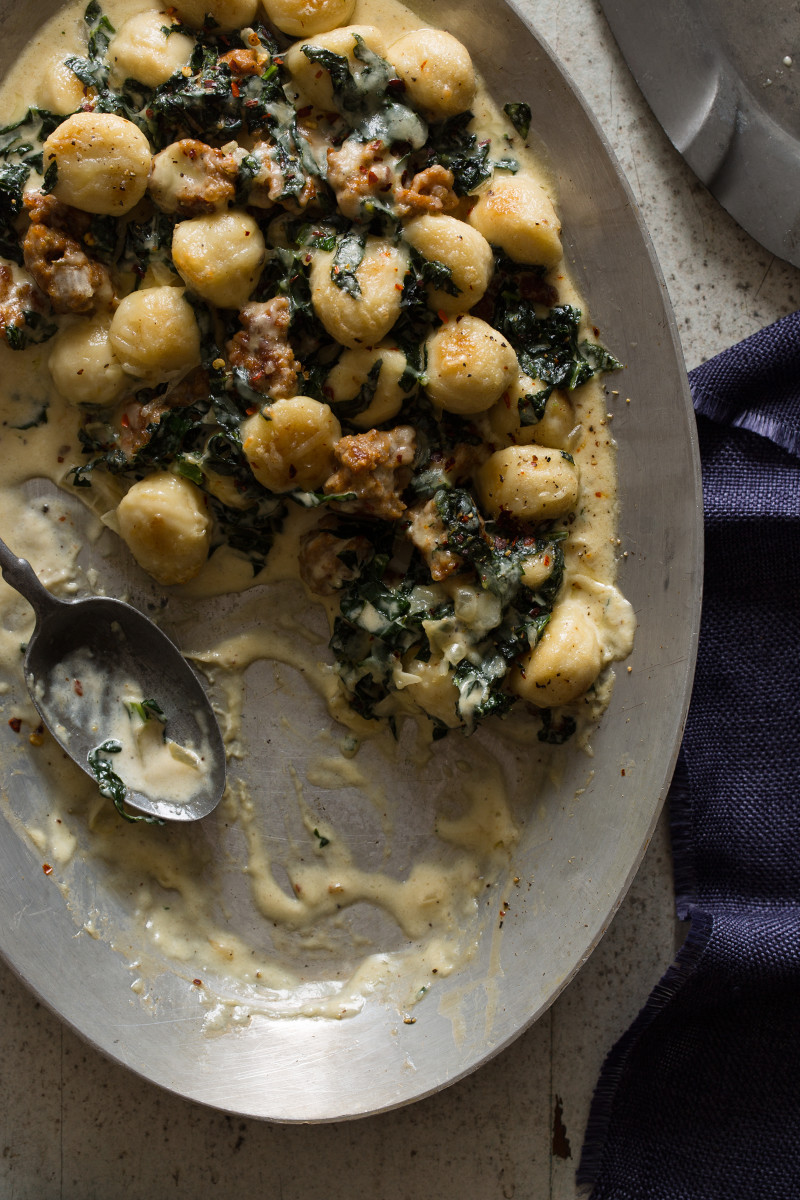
{"x": 342, "y": 864}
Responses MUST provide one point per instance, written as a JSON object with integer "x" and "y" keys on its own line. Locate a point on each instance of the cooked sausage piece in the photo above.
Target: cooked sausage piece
{"x": 262, "y": 350}
{"x": 376, "y": 466}
{"x": 54, "y": 256}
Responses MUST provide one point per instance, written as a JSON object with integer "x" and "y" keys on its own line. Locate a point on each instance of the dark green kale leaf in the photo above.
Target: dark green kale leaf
{"x": 545, "y": 338}
{"x": 363, "y": 92}
{"x": 145, "y": 242}
{"x": 556, "y": 730}
{"x": 480, "y": 688}
{"x": 212, "y": 104}
{"x": 146, "y": 710}
{"x": 13, "y": 177}
{"x": 430, "y": 271}
{"x": 519, "y": 114}
{"x": 347, "y": 409}
{"x": 346, "y": 261}
{"x": 111, "y": 785}
{"x": 251, "y": 530}
{"x": 452, "y": 146}
{"x": 31, "y": 330}
{"x": 93, "y": 69}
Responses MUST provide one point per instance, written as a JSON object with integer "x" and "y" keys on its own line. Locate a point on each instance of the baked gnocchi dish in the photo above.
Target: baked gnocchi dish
{"x": 295, "y": 272}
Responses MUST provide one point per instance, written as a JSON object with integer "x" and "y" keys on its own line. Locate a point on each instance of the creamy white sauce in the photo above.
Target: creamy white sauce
{"x": 148, "y": 762}
{"x": 323, "y": 879}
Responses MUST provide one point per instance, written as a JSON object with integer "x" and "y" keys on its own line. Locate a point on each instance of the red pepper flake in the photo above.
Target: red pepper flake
{"x": 622, "y": 772}
{"x": 599, "y": 495}
{"x": 78, "y": 687}
{"x": 125, "y": 422}
{"x": 60, "y": 458}
{"x": 197, "y": 982}
{"x": 48, "y": 870}
{"x": 235, "y": 88}
{"x": 442, "y": 315}
{"x": 16, "y": 724}
{"x": 251, "y": 412}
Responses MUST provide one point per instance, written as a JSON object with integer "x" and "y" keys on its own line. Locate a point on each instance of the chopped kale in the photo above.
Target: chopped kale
{"x": 346, "y": 261}
{"x": 31, "y": 330}
{"x": 546, "y": 346}
{"x": 146, "y": 710}
{"x": 347, "y": 409}
{"x": 111, "y": 785}
{"x": 360, "y": 93}
{"x": 13, "y": 177}
{"x": 556, "y": 730}
{"x": 519, "y": 114}
{"x": 454, "y": 147}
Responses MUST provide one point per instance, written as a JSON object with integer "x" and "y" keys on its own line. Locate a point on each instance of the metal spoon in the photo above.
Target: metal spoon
{"x": 125, "y": 647}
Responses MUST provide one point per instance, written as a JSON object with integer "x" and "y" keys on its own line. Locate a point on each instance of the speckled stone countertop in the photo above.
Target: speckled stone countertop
{"x": 77, "y": 1127}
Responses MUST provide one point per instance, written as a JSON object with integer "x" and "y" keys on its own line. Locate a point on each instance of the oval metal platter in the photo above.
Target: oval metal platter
{"x": 583, "y": 835}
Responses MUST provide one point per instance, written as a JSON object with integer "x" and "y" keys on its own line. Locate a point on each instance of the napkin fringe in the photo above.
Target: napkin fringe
{"x": 777, "y": 429}
{"x": 771, "y": 427}
{"x": 616, "y": 1062}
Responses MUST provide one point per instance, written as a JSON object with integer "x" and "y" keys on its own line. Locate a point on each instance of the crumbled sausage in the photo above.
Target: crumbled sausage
{"x": 376, "y": 466}
{"x": 17, "y": 298}
{"x": 53, "y": 254}
{"x": 431, "y": 191}
{"x": 138, "y": 420}
{"x": 323, "y": 567}
{"x": 427, "y": 531}
{"x": 357, "y": 171}
{"x": 245, "y": 62}
{"x": 191, "y": 179}
{"x": 262, "y": 350}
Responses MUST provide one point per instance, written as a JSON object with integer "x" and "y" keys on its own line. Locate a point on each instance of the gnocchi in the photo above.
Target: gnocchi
{"x": 165, "y": 522}
{"x": 226, "y": 14}
{"x": 154, "y": 334}
{"x": 312, "y": 79}
{"x": 306, "y": 18}
{"x": 220, "y": 256}
{"x": 555, "y": 426}
{"x": 530, "y": 483}
{"x": 289, "y": 444}
{"x": 436, "y": 70}
{"x": 84, "y": 366}
{"x": 470, "y": 365}
{"x": 565, "y": 663}
{"x": 516, "y": 214}
{"x": 354, "y": 372}
{"x": 363, "y": 317}
{"x": 102, "y": 162}
{"x": 60, "y": 90}
{"x": 148, "y": 49}
{"x": 462, "y": 250}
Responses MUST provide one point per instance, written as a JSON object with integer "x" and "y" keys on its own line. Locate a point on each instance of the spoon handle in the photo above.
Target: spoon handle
{"x": 21, "y": 576}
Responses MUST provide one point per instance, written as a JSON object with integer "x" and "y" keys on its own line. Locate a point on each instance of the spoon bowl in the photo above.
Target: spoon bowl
{"x": 125, "y": 654}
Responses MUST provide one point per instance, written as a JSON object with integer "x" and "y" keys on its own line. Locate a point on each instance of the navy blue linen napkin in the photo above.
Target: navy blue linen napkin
{"x": 700, "y": 1099}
